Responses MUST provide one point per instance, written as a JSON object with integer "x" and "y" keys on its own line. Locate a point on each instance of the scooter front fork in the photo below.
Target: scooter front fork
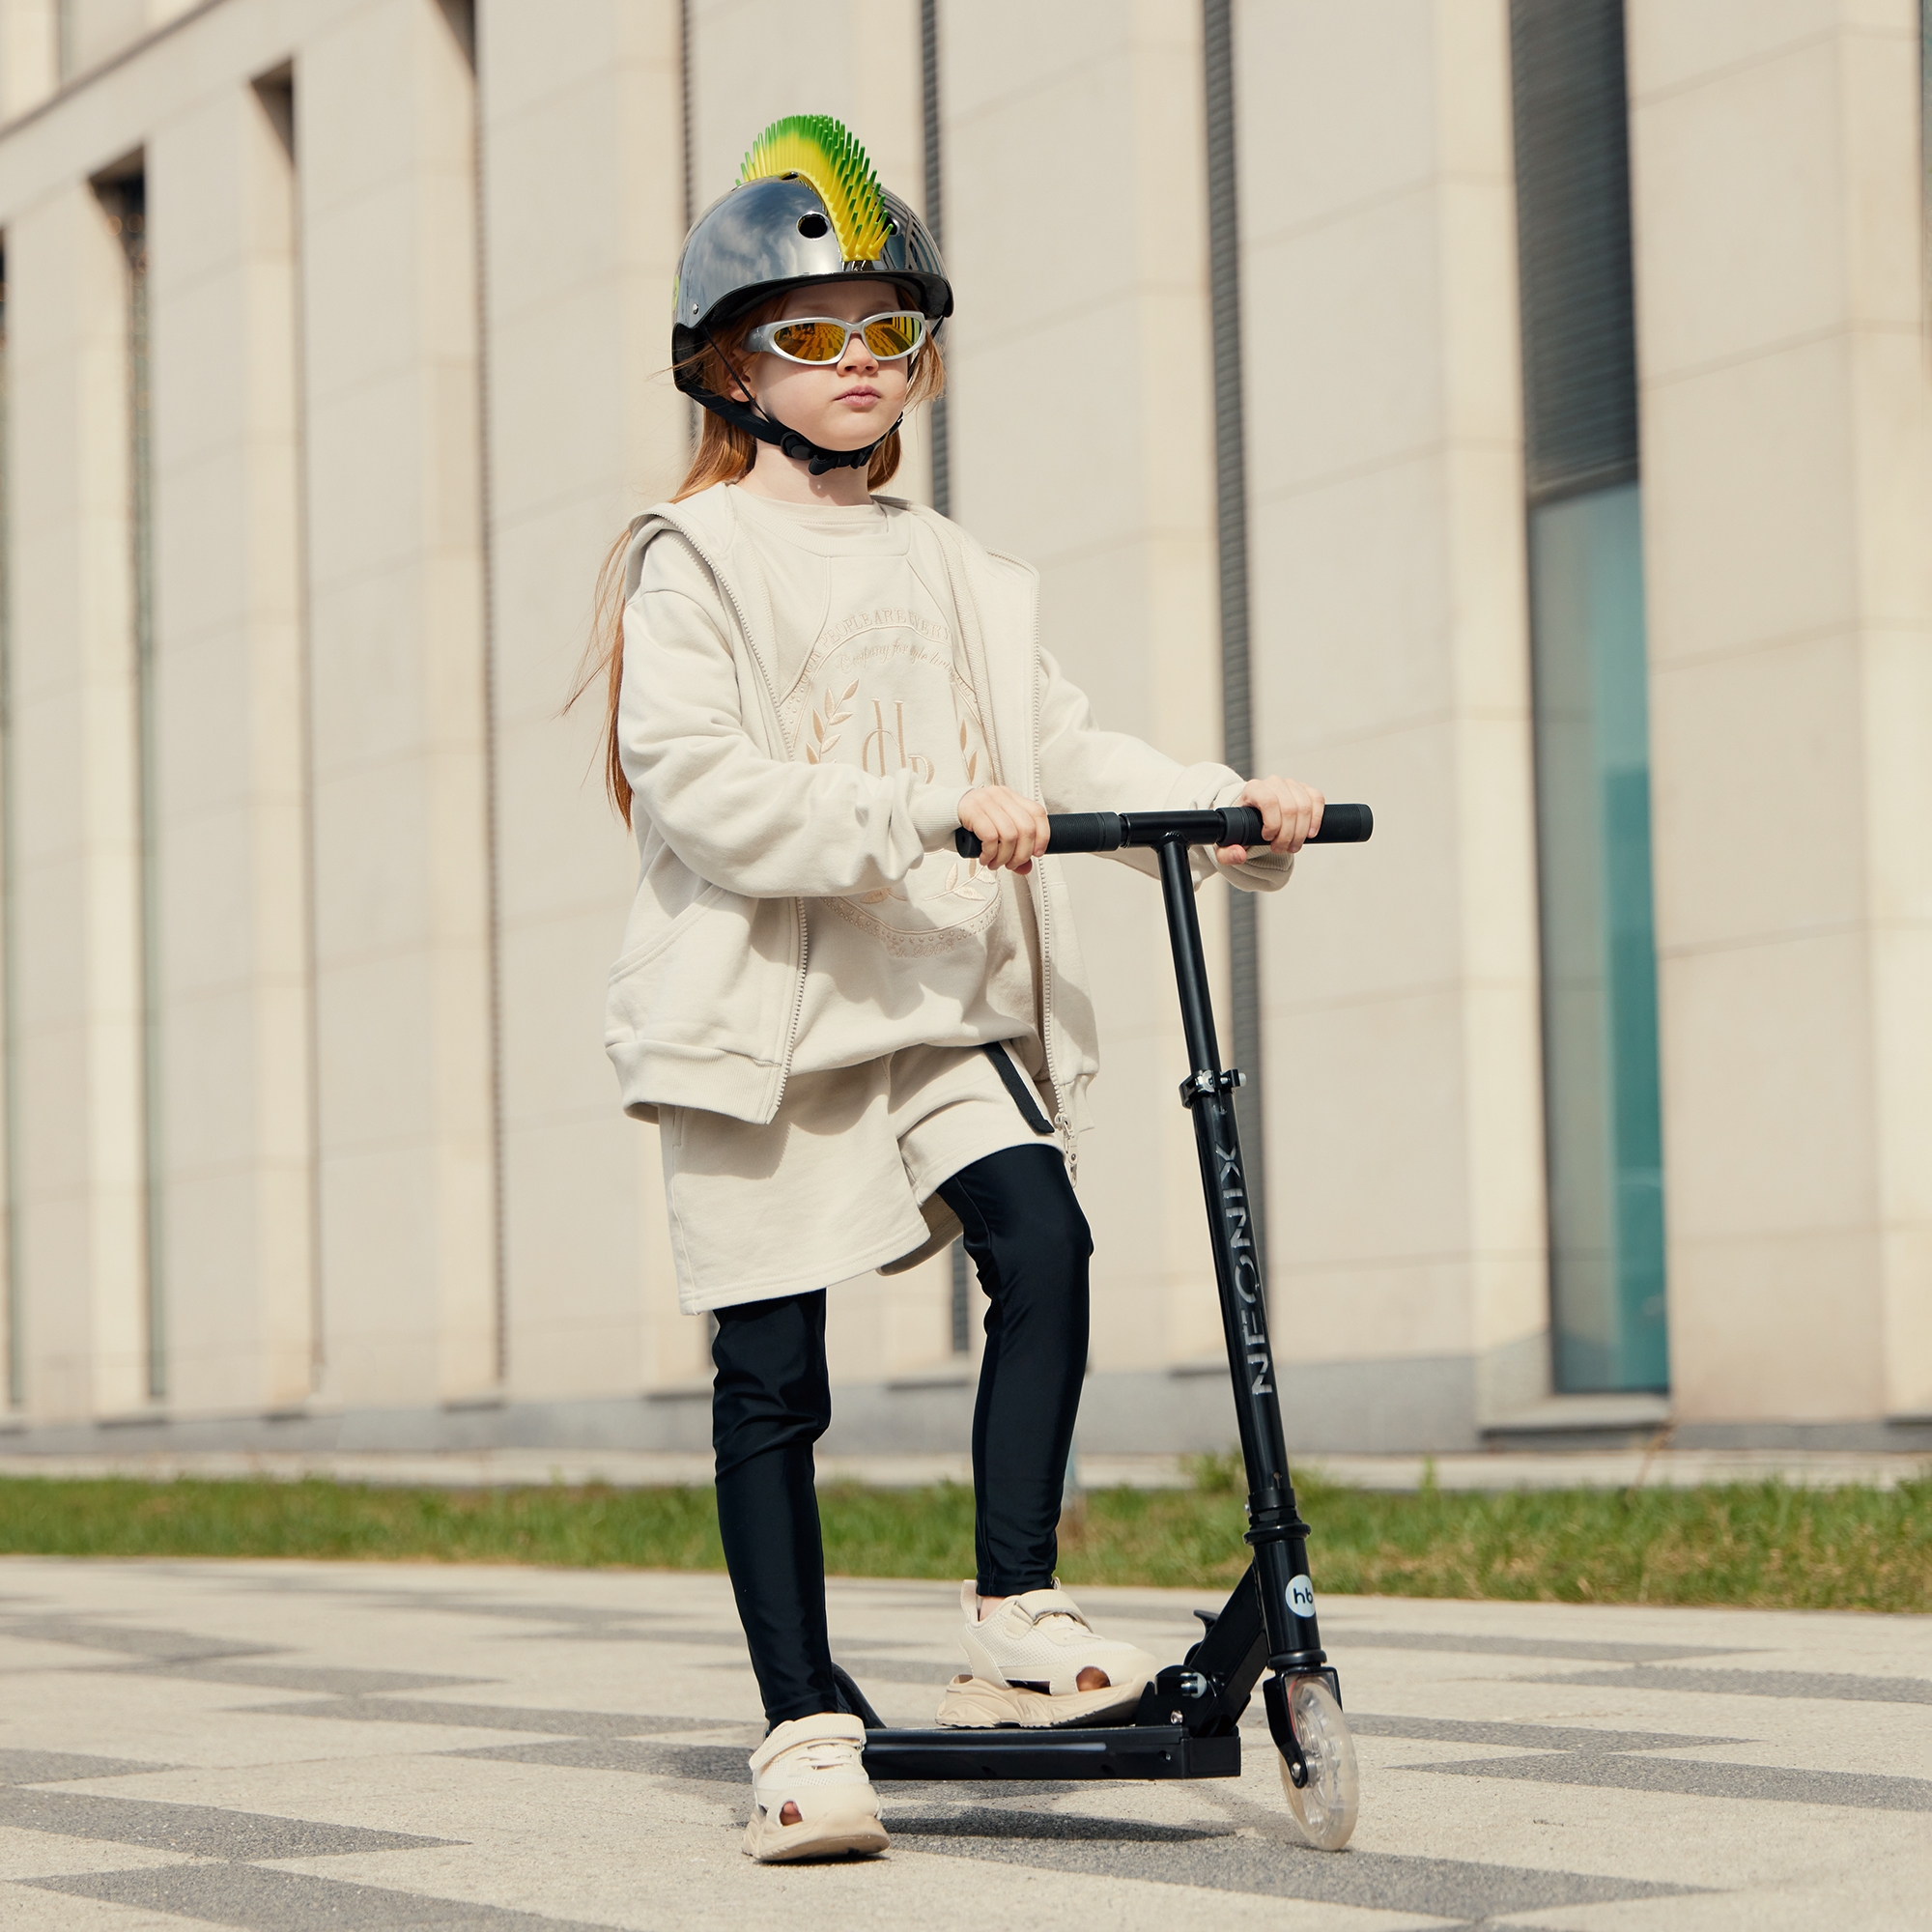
{"x": 1287, "y": 1598}
{"x": 1281, "y": 1721}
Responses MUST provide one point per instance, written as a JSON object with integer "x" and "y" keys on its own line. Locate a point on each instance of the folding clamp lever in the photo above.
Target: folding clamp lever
{"x": 1201, "y": 1084}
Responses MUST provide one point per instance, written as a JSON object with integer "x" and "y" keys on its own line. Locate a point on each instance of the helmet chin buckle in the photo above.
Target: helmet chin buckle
{"x": 767, "y": 428}
{"x": 818, "y": 461}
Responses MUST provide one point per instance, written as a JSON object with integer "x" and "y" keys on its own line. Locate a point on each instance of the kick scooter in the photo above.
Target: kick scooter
{"x": 1185, "y": 1725}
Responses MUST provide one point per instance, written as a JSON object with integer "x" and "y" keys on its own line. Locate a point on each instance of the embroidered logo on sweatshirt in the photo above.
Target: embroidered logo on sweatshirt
{"x": 880, "y": 690}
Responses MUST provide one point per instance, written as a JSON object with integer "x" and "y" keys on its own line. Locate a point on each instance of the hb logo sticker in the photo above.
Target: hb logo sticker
{"x": 1301, "y": 1596}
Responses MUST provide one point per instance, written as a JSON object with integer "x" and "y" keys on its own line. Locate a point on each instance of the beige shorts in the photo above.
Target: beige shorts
{"x": 842, "y": 1182}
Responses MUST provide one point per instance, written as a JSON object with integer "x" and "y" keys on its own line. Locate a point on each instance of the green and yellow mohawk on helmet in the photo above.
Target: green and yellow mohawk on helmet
{"x": 824, "y": 151}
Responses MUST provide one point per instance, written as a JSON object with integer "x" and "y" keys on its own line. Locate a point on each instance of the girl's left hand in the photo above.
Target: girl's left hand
{"x": 1291, "y": 812}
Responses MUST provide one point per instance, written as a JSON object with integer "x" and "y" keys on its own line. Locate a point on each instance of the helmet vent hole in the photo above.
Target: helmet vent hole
{"x": 812, "y": 226}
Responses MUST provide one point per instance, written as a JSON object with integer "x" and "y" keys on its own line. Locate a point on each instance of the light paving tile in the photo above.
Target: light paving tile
{"x": 27, "y": 1854}
{"x": 25, "y": 1909}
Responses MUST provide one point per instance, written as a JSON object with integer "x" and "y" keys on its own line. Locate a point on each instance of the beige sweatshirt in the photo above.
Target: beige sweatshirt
{"x": 872, "y": 675}
{"x": 738, "y": 830}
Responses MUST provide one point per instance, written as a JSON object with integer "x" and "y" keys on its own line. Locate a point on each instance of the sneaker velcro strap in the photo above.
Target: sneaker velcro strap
{"x": 1055, "y": 1603}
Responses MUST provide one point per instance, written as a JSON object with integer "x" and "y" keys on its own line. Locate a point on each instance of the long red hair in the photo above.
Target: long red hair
{"x": 724, "y": 454}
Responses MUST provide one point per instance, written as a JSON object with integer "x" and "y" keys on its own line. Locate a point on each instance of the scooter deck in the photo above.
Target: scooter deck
{"x": 1124, "y": 1752}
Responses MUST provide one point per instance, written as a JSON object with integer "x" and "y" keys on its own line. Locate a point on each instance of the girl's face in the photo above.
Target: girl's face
{"x": 841, "y": 405}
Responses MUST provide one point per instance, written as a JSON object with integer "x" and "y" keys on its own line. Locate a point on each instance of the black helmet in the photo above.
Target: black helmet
{"x": 807, "y": 208}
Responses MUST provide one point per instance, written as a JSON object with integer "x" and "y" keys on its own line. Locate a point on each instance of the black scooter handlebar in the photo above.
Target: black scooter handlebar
{"x": 1228, "y": 824}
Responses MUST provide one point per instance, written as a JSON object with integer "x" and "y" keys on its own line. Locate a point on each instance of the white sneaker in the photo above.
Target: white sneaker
{"x": 1038, "y": 1645}
{"x": 978, "y": 1704}
{"x": 819, "y": 1765}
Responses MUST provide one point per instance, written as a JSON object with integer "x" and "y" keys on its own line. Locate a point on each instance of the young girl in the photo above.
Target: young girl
{"x": 855, "y": 1044}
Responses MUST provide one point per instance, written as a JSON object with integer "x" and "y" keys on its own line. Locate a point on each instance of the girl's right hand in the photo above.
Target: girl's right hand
{"x": 1011, "y": 829}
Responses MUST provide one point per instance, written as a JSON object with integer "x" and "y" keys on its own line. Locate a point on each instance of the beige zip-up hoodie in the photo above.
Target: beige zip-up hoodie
{"x": 733, "y": 835}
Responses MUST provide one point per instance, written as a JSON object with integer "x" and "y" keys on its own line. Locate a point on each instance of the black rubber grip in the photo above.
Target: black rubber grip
{"x": 1341, "y": 825}
{"x": 1345, "y": 825}
{"x": 1243, "y": 824}
{"x": 1066, "y": 832}
{"x": 1228, "y": 824}
{"x": 1085, "y": 831}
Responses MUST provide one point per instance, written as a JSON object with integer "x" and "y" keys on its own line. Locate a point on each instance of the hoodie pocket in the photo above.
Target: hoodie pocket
{"x": 706, "y": 984}
{"x": 648, "y": 948}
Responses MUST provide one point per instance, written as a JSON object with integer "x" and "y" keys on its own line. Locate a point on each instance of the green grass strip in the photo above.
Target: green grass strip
{"x": 1764, "y": 1546}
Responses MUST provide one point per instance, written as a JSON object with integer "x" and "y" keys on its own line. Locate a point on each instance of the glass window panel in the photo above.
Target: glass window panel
{"x": 1603, "y": 1123}
{"x": 10, "y": 1074}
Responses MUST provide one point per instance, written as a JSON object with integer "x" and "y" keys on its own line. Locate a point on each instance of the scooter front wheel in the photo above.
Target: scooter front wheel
{"x": 1326, "y": 1806}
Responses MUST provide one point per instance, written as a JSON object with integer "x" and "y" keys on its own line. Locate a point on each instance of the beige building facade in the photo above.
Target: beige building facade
{"x": 334, "y": 349}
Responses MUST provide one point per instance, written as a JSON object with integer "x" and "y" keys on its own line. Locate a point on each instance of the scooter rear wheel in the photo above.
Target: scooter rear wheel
{"x": 1326, "y": 1806}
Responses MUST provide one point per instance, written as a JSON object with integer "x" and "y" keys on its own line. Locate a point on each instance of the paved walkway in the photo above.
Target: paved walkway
{"x": 647, "y": 1468}
{"x": 307, "y": 1744}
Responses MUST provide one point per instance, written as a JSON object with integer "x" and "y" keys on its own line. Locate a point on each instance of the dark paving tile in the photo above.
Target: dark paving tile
{"x": 1050, "y": 1827}
{"x": 903, "y": 1671}
{"x": 1026, "y": 1793}
{"x": 259, "y": 1582}
{"x": 1840, "y": 1686}
{"x": 702, "y": 1763}
{"x": 201, "y": 1830}
{"x": 303, "y": 1677}
{"x": 182, "y": 1653}
{"x": 1761, "y": 1783}
{"x": 621, "y": 1632}
{"x": 491, "y": 1717}
{"x": 942, "y": 1598}
{"x": 590, "y": 1617}
{"x": 1342, "y": 1639}
{"x": 162, "y": 1646}
{"x": 1530, "y": 1737}
{"x": 38, "y": 1766}
{"x": 292, "y": 1901}
{"x": 536, "y": 1614}
{"x": 1446, "y": 1888}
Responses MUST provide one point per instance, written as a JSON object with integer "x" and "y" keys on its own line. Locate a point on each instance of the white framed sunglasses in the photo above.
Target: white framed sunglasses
{"x": 822, "y": 338}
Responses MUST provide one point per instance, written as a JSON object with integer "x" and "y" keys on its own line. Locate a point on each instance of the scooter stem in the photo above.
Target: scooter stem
{"x": 1275, "y": 1530}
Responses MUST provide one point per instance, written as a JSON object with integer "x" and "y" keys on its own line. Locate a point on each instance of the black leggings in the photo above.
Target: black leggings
{"x": 772, "y": 1401}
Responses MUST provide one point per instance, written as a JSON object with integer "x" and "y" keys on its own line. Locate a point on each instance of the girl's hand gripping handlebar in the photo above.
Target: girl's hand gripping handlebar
{"x": 1230, "y": 825}
{"x": 1007, "y": 829}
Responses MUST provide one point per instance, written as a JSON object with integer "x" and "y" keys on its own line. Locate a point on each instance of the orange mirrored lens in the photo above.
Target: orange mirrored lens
{"x": 810, "y": 341}
{"x": 894, "y": 335}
